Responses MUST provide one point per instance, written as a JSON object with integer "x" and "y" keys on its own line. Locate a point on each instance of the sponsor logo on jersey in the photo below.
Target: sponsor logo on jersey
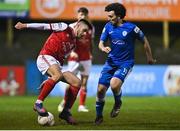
{"x": 118, "y": 42}
{"x": 111, "y": 32}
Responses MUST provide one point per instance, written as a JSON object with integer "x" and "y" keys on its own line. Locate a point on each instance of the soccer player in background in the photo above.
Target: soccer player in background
{"x": 80, "y": 60}
{"x": 120, "y": 60}
{"x": 50, "y": 60}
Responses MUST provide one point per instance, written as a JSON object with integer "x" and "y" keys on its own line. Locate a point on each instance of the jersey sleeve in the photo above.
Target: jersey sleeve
{"x": 58, "y": 26}
{"x": 104, "y": 34}
{"x": 52, "y": 26}
{"x": 139, "y": 34}
{"x": 72, "y": 25}
{"x": 40, "y": 26}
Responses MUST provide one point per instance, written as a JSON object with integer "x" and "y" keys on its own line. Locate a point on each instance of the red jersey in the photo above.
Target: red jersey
{"x": 59, "y": 44}
{"x": 83, "y": 46}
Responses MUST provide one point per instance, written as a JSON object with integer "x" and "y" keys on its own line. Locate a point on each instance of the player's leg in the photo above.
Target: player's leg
{"x": 48, "y": 65}
{"x": 85, "y": 71}
{"x": 116, "y": 83}
{"x": 72, "y": 67}
{"x": 70, "y": 96}
{"x": 83, "y": 94}
{"x": 100, "y": 102}
{"x": 103, "y": 84}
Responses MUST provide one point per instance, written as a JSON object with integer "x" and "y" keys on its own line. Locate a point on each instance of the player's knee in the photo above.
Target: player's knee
{"x": 100, "y": 94}
{"x": 83, "y": 84}
{"x": 101, "y": 89}
{"x": 57, "y": 77}
{"x": 77, "y": 83}
{"x": 84, "y": 88}
{"x": 115, "y": 87}
{"x": 115, "y": 83}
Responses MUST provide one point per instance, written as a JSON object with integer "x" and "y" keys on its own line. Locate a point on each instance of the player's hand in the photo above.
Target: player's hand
{"x": 20, "y": 26}
{"x": 91, "y": 57}
{"x": 73, "y": 54}
{"x": 106, "y": 49}
{"x": 152, "y": 61}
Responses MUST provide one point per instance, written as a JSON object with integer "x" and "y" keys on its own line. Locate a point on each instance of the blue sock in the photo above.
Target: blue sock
{"x": 117, "y": 98}
{"x": 99, "y": 108}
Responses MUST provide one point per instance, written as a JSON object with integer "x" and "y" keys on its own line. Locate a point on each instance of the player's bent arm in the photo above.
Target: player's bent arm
{"x": 148, "y": 51}
{"x": 103, "y": 48}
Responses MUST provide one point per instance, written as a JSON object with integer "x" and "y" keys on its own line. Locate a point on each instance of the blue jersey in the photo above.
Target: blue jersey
{"x": 122, "y": 39}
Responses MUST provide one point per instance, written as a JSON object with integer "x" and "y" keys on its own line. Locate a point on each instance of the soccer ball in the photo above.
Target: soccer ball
{"x": 51, "y": 120}
{"x": 46, "y": 120}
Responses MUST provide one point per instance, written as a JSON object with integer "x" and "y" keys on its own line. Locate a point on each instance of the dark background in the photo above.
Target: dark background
{"x": 27, "y": 43}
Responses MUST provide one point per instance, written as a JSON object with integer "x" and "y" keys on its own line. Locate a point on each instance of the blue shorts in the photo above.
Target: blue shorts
{"x": 119, "y": 71}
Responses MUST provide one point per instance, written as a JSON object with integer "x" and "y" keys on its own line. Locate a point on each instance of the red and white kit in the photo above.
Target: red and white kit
{"x": 59, "y": 44}
{"x": 83, "y": 50}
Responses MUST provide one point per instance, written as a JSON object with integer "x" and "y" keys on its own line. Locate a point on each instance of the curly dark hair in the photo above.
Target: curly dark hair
{"x": 83, "y": 10}
{"x": 118, "y": 9}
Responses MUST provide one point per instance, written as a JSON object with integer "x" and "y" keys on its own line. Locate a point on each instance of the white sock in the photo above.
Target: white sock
{"x": 39, "y": 101}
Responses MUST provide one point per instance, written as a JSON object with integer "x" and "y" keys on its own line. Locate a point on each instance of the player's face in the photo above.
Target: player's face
{"x": 112, "y": 17}
{"x": 81, "y": 29}
{"x": 81, "y": 15}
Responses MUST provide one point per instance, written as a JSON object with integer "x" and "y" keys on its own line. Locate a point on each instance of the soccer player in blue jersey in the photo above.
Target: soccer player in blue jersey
{"x": 120, "y": 60}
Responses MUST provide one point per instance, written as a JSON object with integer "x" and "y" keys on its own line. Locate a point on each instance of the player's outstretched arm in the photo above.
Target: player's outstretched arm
{"x": 103, "y": 48}
{"x": 148, "y": 51}
{"x": 40, "y": 26}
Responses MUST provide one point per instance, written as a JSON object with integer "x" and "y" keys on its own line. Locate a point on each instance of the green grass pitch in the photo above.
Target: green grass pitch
{"x": 136, "y": 113}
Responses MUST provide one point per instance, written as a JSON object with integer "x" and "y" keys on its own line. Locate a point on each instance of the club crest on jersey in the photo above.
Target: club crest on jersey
{"x": 124, "y": 33}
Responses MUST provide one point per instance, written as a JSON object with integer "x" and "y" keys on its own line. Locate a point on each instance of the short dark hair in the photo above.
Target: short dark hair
{"x": 118, "y": 9}
{"x": 86, "y": 22}
{"x": 83, "y": 10}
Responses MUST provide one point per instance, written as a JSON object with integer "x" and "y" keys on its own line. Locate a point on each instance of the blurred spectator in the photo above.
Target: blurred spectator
{"x": 10, "y": 85}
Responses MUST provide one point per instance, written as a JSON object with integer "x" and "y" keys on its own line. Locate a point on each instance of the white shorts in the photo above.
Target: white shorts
{"x": 83, "y": 67}
{"x": 45, "y": 61}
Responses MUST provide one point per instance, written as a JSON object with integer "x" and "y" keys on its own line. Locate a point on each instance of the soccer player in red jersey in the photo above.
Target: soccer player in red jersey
{"x": 50, "y": 60}
{"x": 80, "y": 60}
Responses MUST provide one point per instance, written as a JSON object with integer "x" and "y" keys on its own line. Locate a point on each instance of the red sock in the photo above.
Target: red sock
{"x": 70, "y": 96}
{"x": 82, "y": 97}
{"x": 46, "y": 89}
